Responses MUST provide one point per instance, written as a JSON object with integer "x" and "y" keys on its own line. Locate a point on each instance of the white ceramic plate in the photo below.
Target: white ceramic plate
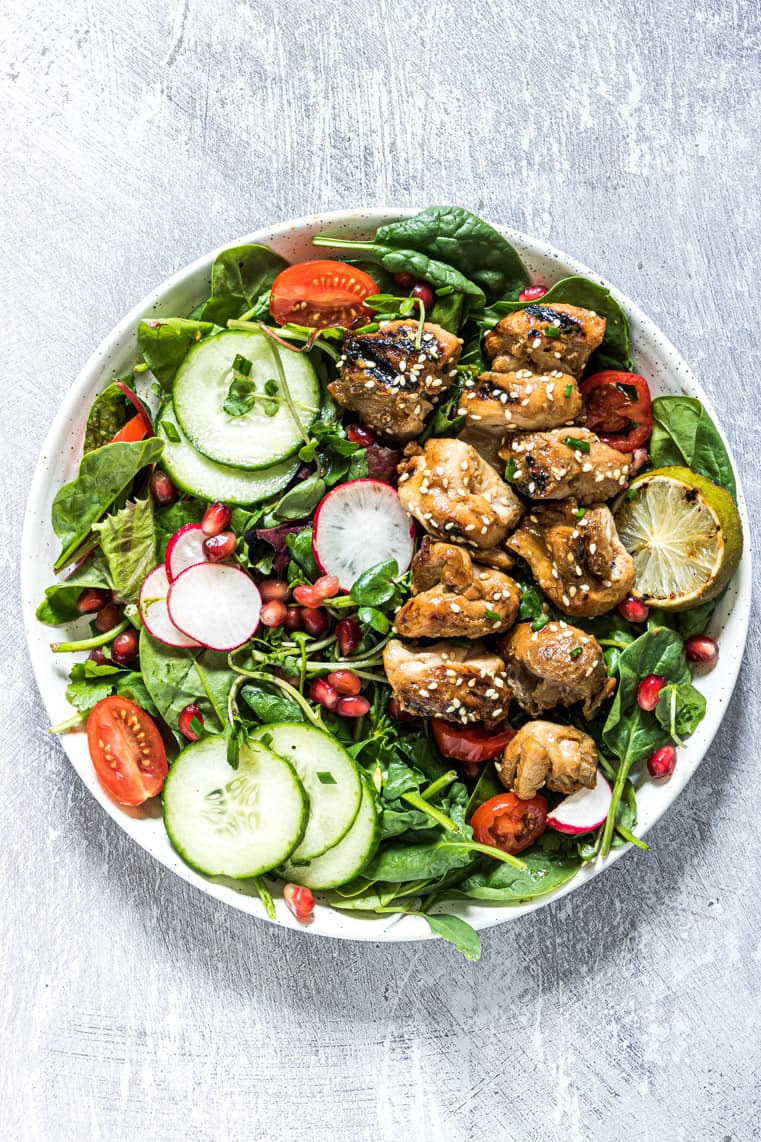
{"x": 654, "y": 357}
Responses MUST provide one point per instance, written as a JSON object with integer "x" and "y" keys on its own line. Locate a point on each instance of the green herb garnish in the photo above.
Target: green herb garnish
{"x": 552, "y": 331}
{"x": 170, "y": 431}
{"x": 579, "y": 512}
{"x": 510, "y": 469}
{"x": 576, "y": 444}
{"x": 326, "y": 778}
{"x": 575, "y": 652}
{"x": 492, "y": 616}
{"x": 568, "y": 390}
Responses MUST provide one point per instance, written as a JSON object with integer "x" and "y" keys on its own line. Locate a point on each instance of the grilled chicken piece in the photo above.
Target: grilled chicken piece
{"x": 447, "y": 681}
{"x": 521, "y": 400}
{"x": 558, "y": 665}
{"x": 580, "y": 564}
{"x": 456, "y": 495}
{"x": 453, "y": 597}
{"x": 565, "y": 462}
{"x": 520, "y": 338}
{"x": 562, "y": 757}
{"x": 392, "y": 384}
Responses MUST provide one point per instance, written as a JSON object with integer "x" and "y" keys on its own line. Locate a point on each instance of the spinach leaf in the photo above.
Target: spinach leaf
{"x": 450, "y": 311}
{"x": 103, "y": 475}
{"x": 271, "y": 704}
{"x": 109, "y": 412}
{"x": 680, "y": 710}
{"x": 165, "y": 343}
{"x": 461, "y": 239}
{"x": 684, "y": 435}
{"x": 170, "y": 519}
{"x": 456, "y": 931}
{"x": 488, "y": 785}
{"x": 696, "y": 620}
{"x": 300, "y": 500}
{"x": 175, "y": 677}
{"x": 548, "y": 866}
{"x": 128, "y": 541}
{"x": 398, "y": 863}
{"x": 60, "y": 602}
{"x": 240, "y": 277}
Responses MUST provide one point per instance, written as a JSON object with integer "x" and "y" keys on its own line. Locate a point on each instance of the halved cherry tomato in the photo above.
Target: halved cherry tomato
{"x": 469, "y": 743}
{"x": 322, "y": 293}
{"x": 509, "y": 823}
{"x": 618, "y": 408}
{"x": 134, "y": 429}
{"x": 126, "y": 750}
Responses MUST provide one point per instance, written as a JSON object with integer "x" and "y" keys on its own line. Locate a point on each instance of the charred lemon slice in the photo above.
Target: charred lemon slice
{"x": 683, "y": 533}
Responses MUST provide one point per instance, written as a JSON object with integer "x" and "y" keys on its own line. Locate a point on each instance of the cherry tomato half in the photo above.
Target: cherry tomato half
{"x": 126, "y": 750}
{"x": 508, "y": 823}
{"x": 618, "y": 408}
{"x": 469, "y": 743}
{"x": 134, "y": 429}
{"x": 322, "y": 293}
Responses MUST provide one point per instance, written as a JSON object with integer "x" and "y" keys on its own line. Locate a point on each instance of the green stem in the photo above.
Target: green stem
{"x": 286, "y": 389}
{"x": 630, "y": 837}
{"x": 417, "y": 802}
{"x": 440, "y": 783}
{"x": 265, "y": 896}
{"x": 613, "y": 642}
{"x": 70, "y": 724}
{"x": 340, "y": 243}
{"x": 356, "y": 664}
{"x": 610, "y": 824}
{"x": 90, "y": 643}
{"x": 291, "y": 691}
{"x": 488, "y": 850}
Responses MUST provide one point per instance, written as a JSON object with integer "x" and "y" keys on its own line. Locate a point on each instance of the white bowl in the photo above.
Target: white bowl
{"x": 654, "y": 357}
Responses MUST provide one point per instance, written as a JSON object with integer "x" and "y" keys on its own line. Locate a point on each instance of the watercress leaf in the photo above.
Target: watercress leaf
{"x": 461, "y": 239}
{"x": 488, "y": 785}
{"x": 270, "y": 704}
{"x": 103, "y": 476}
{"x": 421, "y": 753}
{"x": 164, "y": 344}
{"x": 128, "y": 541}
{"x": 376, "y": 586}
{"x": 241, "y": 397}
{"x": 240, "y": 277}
{"x": 395, "y": 822}
{"x": 456, "y": 931}
{"x": 399, "y": 778}
{"x": 109, "y": 412}
{"x": 300, "y": 500}
{"x": 299, "y": 545}
{"x": 60, "y": 602}
{"x": 374, "y": 618}
{"x": 684, "y": 435}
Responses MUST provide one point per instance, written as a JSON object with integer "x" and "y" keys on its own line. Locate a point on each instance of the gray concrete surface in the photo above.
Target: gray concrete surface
{"x": 136, "y": 135}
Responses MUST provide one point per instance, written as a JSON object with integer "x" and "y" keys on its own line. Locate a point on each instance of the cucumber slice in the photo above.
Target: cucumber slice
{"x": 253, "y": 440}
{"x": 195, "y": 473}
{"x": 233, "y": 822}
{"x": 330, "y": 777}
{"x": 345, "y": 860}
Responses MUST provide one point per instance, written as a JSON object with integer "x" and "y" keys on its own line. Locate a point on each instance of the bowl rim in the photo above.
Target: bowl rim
{"x": 92, "y": 374}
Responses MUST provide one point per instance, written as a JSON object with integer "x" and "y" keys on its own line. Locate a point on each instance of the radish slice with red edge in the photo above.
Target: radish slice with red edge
{"x": 216, "y": 604}
{"x": 155, "y": 613}
{"x": 359, "y": 524}
{"x": 184, "y": 550}
{"x": 582, "y": 811}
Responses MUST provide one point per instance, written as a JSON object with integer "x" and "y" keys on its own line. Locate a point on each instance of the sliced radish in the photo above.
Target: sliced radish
{"x": 215, "y": 603}
{"x": 582, "y": 811}
{"x": 184, "y": 550}
{"x": 358, "y": 525}
{"x": 155, "y": 613}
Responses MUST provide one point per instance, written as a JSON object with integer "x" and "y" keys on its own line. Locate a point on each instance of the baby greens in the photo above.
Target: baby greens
{"x": 685, "y": 435}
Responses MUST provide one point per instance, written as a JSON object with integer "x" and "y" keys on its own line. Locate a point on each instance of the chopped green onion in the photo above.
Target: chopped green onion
{"x": 196, "y": 726}
{"x": 568, "y": 389}
{"x": 492, "y": 615}
{"x": 552, "y": 331}
{"x": 575, "y": 652}
{"x": 326, "y": 778}
{"x": 579, "y": 512}
{"x": 170, "y": 431}
{"x": 241, "y": 365}
{"x": 510, "y": 469}
{"x": 576, "y": 444}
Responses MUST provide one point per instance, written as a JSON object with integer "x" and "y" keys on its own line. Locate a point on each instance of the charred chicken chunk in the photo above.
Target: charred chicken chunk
{"x": 543, "y": 753}
{"x": 456, "y": 495}
{"x": 558, "y": 665}
{"x": 576, "y": 556}
{"x": 521, "y": 400}
{"x": 565, "y": 462}
{"x": 392, "y": 383}
{"x": 545, "y": 337}
{"x": 444, "y": 680}
{"x": 455, "y": 597}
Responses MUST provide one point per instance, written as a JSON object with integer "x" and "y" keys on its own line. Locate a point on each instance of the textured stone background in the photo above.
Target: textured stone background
{"x": 136, "y": 135}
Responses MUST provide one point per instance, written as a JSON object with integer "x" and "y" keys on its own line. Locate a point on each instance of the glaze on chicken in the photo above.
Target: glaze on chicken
{"x": 545, "y": 753}
{"x": 565, "y": 462}
{"x": 558, "y": 665}
{"x": 545, "y": 337}
{"x": 576, "y": 556}
{"x": 445, "y": 680}
{"x": 391, "y": 383}
{"x": 521, "y": 400}
{"x": 454, "y": 597}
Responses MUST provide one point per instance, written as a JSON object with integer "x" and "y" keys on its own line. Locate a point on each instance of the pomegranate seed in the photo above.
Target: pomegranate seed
{"x": 299, "y": 901}
{"x": 274, "y": 589}
{"x": 323, "y": 693}
{"x": 274, "y": 613}
{"x": 215, "y": 519}
{"x": 662, "y": 762}
{"x": 326, "y": 587}
{"x": 97, "y": 655}
{"x": 353, "y": 707}
{"x": 345, "y": 682}
{"x": 124, "y": 647}
{"x": 403, "y": 280}
{"x": 292, "y": 620}
{"x": 533, "y": 292}
{"x": 358, "y": 434}
{"x": 633, "y": 610}
{"x": 91, "y": 600}
{"x": 648, "y": 691}
{"x": 107, "y": 618}
{"x": 348, "y": 636}
{"x": 162, "y": 489}
{"x": 700, "y": 648}
{"x": 395, "y": 711}
{"x": 426, "y": 295}
{"x": 314, "y": 621}
{"x": 219, "y": 547}
{"x": 640, "y": 458}
{"x": 306, "y": 595}
{"x": 189, "y": 714}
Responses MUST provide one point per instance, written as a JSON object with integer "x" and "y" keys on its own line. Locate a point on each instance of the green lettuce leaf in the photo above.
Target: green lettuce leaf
{"x": 128, "y": 541}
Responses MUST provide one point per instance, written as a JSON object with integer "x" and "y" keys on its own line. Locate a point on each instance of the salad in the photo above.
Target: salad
{"x": 396, "y": 575}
